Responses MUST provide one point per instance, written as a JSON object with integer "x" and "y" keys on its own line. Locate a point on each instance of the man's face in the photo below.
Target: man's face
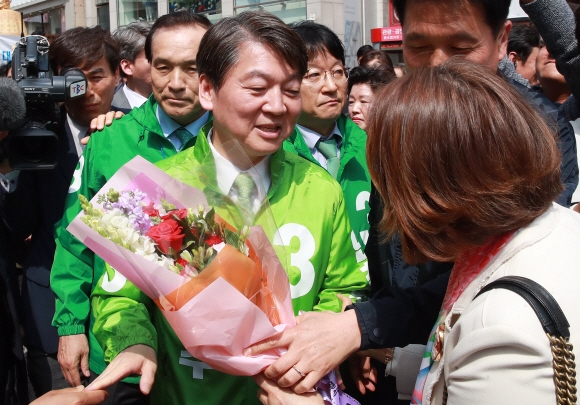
{"x": 528, "y": 69}
{"x": 101, "y": 83}
{"x": 546, "y": 67}
{"x": 174, "y": 72}
{"x": 257, "y": 104}
{"x": 322, "y": 102}
{"x": 435, "y": 31}
{"x": 138, "y": 73}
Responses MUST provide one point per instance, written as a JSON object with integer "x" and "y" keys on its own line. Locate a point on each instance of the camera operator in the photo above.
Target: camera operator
{"x": 35, "y": 201}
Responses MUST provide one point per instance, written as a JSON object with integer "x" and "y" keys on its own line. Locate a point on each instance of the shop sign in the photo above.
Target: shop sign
{"x": 387, "y": 34}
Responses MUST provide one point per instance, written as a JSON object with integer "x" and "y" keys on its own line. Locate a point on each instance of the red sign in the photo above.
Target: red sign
{"x": 387, "y": 34}
{"x": 393, "y": 17}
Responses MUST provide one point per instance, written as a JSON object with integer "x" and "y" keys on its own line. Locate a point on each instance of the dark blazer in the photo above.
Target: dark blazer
{"x": 33, "y": 209}
{"x": 120, "y": 102}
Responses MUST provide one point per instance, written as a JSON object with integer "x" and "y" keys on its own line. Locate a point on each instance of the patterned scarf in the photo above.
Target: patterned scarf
{"x": 466, "y": 269}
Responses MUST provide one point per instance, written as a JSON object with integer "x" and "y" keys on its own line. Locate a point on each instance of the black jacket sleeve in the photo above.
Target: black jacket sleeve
{"x": 566, "y": 139}
{"x": 397, "y": 317}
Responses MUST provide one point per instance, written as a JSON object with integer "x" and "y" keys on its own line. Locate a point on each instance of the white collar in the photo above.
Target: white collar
{"x": 312, "y": 137}
{"x": 78, "y": 132}
{"x": 226, "y": 172}
{"x": 135, "y": 99}
{"x": 168, "y": 125}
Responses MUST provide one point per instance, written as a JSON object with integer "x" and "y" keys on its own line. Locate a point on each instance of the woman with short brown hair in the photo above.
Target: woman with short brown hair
{"x": 468, "y": 172}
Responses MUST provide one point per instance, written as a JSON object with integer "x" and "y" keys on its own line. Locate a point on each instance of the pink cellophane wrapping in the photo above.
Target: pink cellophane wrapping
{"x": 219, "y": 323}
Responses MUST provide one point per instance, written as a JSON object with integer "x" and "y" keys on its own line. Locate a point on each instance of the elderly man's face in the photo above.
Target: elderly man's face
{"x": 435, "y": 31}
{"x": 174, "y": 72}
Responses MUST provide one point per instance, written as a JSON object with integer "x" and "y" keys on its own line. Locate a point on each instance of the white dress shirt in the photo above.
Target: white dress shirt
{"x": 226, "y": 173}
{"x": 135, "y": 99}
{"x": 168, "y": 126}
{"x": 312, "y": 137}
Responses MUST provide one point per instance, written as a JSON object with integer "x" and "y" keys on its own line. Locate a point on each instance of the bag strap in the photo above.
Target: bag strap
{"x": 556, "y": 327}
{"x": 544, "y": 305}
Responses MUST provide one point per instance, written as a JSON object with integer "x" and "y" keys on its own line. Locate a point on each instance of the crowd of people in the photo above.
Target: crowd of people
{"x": 398, "y": 192}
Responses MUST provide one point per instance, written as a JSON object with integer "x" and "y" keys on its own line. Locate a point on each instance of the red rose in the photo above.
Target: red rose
{"x": 213, "y": 240}
{"x": 182, "y": 261}
{"x": 181, "y": 214}
{"x": 150, "y": 210}
{"x": 168, "y": 234}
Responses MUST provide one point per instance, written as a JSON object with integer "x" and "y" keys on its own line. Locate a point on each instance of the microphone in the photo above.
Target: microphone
{"x": 12, "y": 104}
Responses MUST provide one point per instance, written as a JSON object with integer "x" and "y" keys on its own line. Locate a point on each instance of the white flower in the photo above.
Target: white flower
{"x": 218, "y": 248}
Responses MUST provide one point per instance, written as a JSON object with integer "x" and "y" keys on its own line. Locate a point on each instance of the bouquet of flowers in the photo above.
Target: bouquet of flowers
{"x": 221, "y": 289}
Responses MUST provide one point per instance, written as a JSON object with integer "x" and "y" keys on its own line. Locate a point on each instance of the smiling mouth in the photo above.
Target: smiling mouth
{"x": 269, "y": 129}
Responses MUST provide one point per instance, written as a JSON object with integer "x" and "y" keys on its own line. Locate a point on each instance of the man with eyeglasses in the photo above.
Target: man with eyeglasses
{"x": 327, "y": 137}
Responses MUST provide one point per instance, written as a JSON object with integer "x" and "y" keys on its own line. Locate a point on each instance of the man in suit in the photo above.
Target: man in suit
{"x": 134, "y": 67}
{"x": 36, "y": 198}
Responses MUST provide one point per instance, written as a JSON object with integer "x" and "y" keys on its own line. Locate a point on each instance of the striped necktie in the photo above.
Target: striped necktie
{"x": 329, "y": 150}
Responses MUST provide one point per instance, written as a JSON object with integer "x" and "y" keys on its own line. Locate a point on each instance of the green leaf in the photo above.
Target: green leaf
{"x": 232, "y": 238}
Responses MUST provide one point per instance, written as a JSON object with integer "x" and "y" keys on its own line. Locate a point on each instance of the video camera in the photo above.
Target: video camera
{"x": 34, "y": 144}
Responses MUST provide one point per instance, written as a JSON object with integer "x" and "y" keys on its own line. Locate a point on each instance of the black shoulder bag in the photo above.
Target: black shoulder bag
{"x": 556, "y": 327}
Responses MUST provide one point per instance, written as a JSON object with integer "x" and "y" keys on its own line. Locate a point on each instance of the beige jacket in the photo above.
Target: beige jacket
{"x": 495, "y": 350}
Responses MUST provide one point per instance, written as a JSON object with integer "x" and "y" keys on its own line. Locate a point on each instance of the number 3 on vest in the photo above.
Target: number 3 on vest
{"x": 301, "y": 258}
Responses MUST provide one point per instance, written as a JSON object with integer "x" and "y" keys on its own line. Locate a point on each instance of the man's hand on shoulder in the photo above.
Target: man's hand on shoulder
{"x": 73, "y": 352}
{"x": 102, "y": 121}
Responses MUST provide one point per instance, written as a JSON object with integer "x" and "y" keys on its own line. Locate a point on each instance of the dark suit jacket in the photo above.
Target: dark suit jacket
{"x": 33, "y": 209}
{"x": 120, "y": 102}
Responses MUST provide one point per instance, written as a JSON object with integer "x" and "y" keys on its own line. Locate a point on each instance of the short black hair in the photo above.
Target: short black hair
{"x": 522, "y": 40}
{"x": 363, "y": 49}
{"x": 319, "y": 40}
{"x": 82, "y": 47}
{"x": 375, "y": 77}
{"x": 220, "y": 47}
{"x": 496, "y": 11}
{"x": 171, "y": 21}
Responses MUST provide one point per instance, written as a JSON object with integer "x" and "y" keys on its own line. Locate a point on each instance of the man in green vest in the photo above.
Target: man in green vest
{"x": 165, "y": 124}
{"x": 324, "y": 135}
{"x": 251, "y": 67}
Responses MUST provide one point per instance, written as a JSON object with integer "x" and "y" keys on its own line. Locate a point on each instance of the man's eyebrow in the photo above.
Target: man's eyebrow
{"x": 169, "y": 62}
{"x": 96, "y": 70}
{"x": 265, "y": 75}
{"x": 459, "y": 36}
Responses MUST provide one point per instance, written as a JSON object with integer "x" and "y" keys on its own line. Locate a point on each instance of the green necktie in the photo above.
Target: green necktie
{"x": 183, "y": 135}
{"x": 245, "y": 186}
{"x": 329, "y": 151}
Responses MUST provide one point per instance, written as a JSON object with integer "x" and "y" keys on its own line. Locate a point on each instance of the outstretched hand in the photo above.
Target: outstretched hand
{"x": 72, "y": 396}
{"x": 316, "y": 345}
{"x": 139, "y": 359}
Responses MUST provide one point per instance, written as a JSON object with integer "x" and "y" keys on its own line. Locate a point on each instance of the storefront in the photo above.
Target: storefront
{"x": 50, "y": 21}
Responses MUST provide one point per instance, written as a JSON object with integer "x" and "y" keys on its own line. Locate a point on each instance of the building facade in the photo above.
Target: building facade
{"x": 352, "y": 20}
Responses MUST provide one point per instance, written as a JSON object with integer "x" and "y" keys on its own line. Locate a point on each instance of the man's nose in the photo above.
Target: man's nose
{"x": 176, "y": 81}
{"x": 438, "y": 57}
{"x": 275, "y": 102}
